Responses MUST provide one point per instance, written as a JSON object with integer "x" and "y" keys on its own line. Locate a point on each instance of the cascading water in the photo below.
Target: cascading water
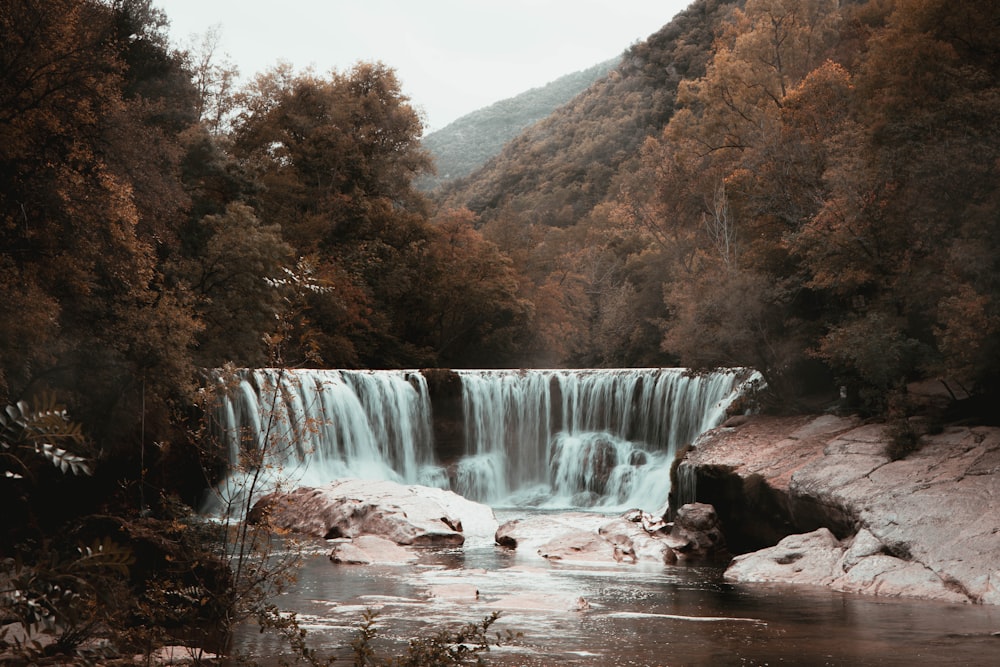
{"x": 554, "y": 438}
{"x": 308, "y": 427}
{"x": 580, "y": 438}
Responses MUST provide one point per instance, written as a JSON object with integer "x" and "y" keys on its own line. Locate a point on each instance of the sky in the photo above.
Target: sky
{"x": 452, "y": 57}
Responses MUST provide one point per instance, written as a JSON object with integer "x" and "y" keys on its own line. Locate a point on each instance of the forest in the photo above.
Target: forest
{"x": 809, "y": 188}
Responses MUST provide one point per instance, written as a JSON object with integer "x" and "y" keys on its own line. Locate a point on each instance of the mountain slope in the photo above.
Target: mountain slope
{"x": 561, "y": 167}
{"x": 467, "y": 143}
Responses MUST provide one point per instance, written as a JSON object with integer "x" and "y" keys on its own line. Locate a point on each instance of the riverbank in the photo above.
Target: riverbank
{"x": 925, "y": 526}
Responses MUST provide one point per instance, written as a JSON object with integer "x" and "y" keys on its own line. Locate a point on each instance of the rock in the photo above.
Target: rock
{"x": 634, "y": 543}
{"x": 812, "y": 558}
{"x": 888, "y": 576}
{"x": 696, "y": 534}
{"x": 534, "y": 531}
{"x": 506, "y": 535}
{"x": 351, "y": 508}
{"x": 927, "y": 525}
{"x": 819, "y": 559}
{"x": 863, "y": 545}
{"x": 582, "y": 547}
{"x": 370, "y": 550}
{"x": 632, "y": 538}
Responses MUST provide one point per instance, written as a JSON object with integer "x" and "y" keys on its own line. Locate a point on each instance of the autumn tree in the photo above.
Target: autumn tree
{"x": 89, "y": 201}
{"x": 336, "y": 158}
{"x": 909, "y": 181}
{"x": 465, "y": 304}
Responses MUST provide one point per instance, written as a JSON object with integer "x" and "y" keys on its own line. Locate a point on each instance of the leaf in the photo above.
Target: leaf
{"x": 63, "y": 459}
{"x": 107, "y": 554}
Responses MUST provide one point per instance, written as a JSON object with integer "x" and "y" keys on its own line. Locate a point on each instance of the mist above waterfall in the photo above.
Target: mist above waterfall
{"x": 542, "y": 438}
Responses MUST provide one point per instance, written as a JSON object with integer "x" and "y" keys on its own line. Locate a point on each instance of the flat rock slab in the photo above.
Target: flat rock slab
{"x": 927, "y": 525}
{"x": 820, "y": 559}
{"x": 403, "y": 514}
{"x": 630, "y": 538}
{"x": 371, "y": 550}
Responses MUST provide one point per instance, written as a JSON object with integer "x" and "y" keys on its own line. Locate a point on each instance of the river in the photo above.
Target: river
{"x": 633, "y": 614}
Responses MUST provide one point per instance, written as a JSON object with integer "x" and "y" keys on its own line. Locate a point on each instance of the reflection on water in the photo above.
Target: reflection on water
{"x": 634, "y": 614}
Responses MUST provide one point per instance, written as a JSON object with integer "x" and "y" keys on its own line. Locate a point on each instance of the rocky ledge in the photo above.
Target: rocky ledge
{"x": 351, "y": 508}
{"x": 828, "y": 507}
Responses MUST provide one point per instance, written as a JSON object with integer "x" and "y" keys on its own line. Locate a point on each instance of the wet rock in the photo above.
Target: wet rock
{"x": 812, "y": 558}
{"x": 602, "y": 457}
{"x": 634, "y": 543}
{"x": 532, "y": 532}
{"x": 582, "y": 547}
{"x": 351, "y": 508}
{"x": 634, "y": 537}
{"x": 696, "y": 534}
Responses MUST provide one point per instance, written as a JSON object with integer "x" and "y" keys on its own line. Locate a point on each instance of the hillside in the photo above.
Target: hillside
{"x": 562, "y": 167}
{"x": 536, "y": 199}
{"x": 466, "y": 144}
{"x": 782, "y": 185}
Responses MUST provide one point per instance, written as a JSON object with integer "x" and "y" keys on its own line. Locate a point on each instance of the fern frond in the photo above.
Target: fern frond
{"x": 106, "y": 554}
{"x": 64, "y": 460}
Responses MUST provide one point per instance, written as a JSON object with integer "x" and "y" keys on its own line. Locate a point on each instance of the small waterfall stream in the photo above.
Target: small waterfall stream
{"x": 542, "y": 438}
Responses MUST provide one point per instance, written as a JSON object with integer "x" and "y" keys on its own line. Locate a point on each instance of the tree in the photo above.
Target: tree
{"x": 236, "y": 279}
{"x": 465, "y": 303}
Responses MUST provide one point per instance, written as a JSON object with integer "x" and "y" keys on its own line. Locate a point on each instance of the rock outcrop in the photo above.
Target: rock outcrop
{"x": 857, "y": 565}
{"x": 634, "y": 537}
{"x": 925, "y": 526}
{"x": 408, "y": 515}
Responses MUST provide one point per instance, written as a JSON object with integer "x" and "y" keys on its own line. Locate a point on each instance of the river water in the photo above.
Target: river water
{"x": 639, "y": 614}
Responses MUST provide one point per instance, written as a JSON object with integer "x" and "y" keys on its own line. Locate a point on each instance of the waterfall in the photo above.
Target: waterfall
{"x": 572, "y": 438}
{"x": 555, "y": 438}
{"x": 308, "y": 427}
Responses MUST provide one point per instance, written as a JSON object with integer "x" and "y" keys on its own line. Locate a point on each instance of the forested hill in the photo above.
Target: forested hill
{"x": 466, "y": 144}
{"x": 561, "y": 167}
{"x": 806, "y": 187}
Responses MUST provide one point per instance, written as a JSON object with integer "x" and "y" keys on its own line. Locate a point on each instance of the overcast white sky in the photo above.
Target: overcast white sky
{"x": 451, "y": 56}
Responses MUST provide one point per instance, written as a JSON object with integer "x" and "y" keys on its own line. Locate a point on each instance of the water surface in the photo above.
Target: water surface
{"x": 630, "y": 615}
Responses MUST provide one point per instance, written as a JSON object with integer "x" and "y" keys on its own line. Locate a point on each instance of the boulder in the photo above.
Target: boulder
{"x": 582, "y": 547}
{"x": 409, "y": 515}
{"x": 530, "y": 533}
{"x": 923, "y": 526}
{"x": 696, "y": 534}
{"x": 812, "y": 558}
{"x": 634, "y": 537}
{"x": 859, "y": 565}
{"x": 634, "y": 543}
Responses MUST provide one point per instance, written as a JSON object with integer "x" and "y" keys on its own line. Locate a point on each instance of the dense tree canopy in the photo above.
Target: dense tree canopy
{"x": 815, "y": 196}
{"x": 807, "y": 187}
{"x": 787, "y": 185}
